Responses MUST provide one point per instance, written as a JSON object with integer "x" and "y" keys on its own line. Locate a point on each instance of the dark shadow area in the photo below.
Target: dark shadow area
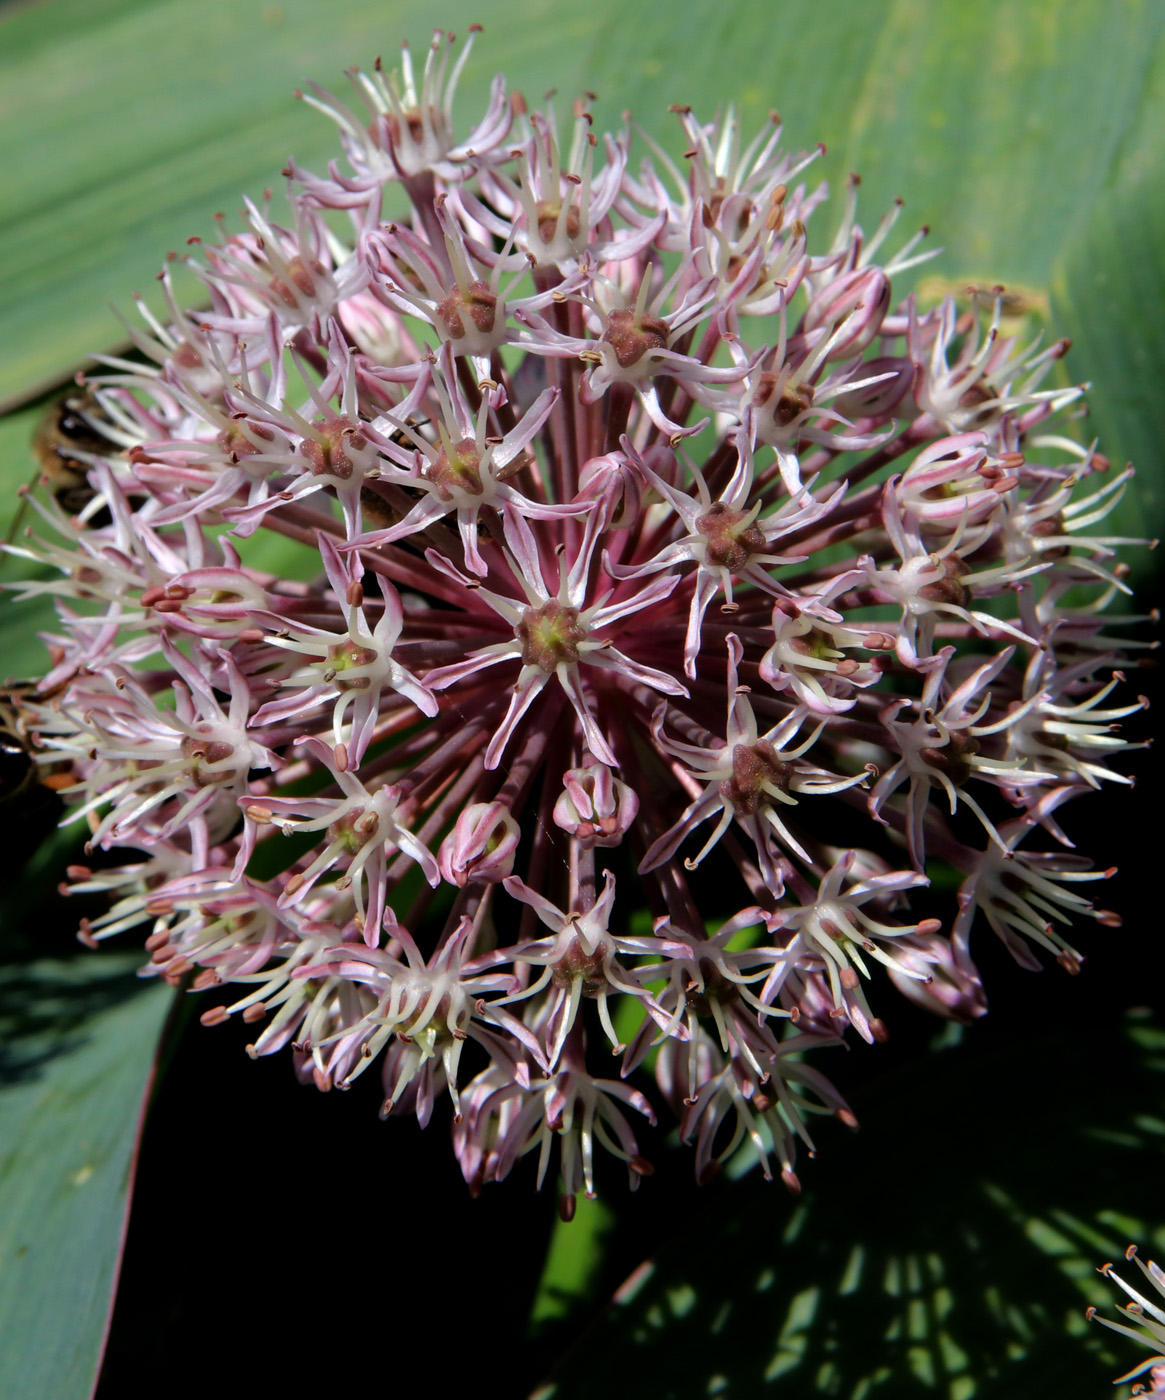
{"x": 927, "y": 1248}
{"x": 45, "y": 1007}
{"x": 323, "y": 1243}
{"x": 50, "y": 986}
{"x": 936, "y": 1245}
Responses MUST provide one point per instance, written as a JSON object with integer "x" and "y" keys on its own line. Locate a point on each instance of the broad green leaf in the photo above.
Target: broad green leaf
{"x": 77, "y": 1041}
{"x": 1107, "y": 291}
{"x": 572, "y": 1260}
{"x": 948, "y": 1250}
{"x": 22, "y": 655}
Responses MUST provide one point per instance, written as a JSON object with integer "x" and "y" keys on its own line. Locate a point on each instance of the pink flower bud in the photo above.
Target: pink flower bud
{"x": 954, "y": 993}
{"x": 852, "y": 307}
{"x": 615, "y": 486}
{"x": 895, "y": 379}
{"x": 595, "y": 806}
{"x": 481, "y": 845}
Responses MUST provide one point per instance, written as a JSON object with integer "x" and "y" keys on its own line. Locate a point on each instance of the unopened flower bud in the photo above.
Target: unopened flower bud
{"x": 884, "y": 382}
{"x": 481, "y": 846}
{"x": 953, "y": 992}
{"x": 595, "y": 806}
{"x": 851, "y": 308}
{"x": 615, "y": 486}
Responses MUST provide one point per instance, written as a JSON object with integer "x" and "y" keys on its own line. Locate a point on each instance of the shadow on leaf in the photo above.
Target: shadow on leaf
{"x": 964, "y": 1272}
{"x": 45, "y": 1006}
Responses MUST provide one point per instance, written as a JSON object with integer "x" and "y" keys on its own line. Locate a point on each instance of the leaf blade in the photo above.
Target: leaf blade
{"x": 77, "y": 1067}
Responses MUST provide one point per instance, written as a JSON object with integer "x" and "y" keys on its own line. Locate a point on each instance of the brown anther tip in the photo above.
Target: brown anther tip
{"x": 255, "y": 1012}
{"x": 1090, "y": 1313}
{"x": 790, "y": 1180}
{"x": 340, "y": 757}
{"x": 878, "y": 1030}
{"x": 566, "y": 1209}
{"x": 215, "y": 1016}
{"x": 641, "y": 1166}
{"x": 844, "y": 1115}
{"x": 85, "y": 937}
{"x": 1131, "y": 1252}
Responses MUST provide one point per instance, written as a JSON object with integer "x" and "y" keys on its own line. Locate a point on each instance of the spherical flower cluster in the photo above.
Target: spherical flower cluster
{"x": 1149, "y": 1317}
{"x": 651, "y": 535}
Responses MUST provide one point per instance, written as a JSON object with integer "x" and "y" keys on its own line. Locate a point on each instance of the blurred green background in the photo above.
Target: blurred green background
{"x": 1029, "y": 134}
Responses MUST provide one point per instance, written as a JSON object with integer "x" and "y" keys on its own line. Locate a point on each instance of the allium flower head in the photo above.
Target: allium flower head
{"x": 659, "y": 544}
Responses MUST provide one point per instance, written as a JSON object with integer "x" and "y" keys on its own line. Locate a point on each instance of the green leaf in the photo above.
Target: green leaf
{"x": 947, "y": 1250}
{"x": 1108, "y": 289}
{"x": 78, "y": 1042}
{"x": 572, "y": 1262}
